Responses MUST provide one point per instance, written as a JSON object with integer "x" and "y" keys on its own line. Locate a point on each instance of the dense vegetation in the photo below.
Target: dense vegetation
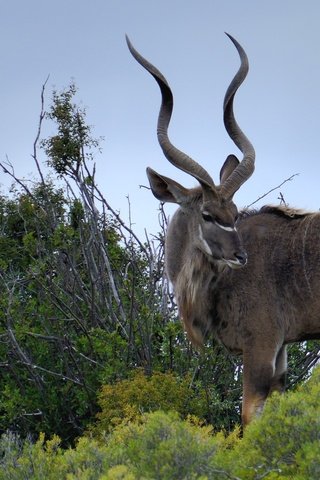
{"x": 89, "y": 334}
{"x": 283, "y": 444}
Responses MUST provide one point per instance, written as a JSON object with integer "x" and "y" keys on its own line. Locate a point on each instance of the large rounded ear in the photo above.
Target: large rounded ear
{"x": 227, "y": 168}
{"x": 165, "y": 189}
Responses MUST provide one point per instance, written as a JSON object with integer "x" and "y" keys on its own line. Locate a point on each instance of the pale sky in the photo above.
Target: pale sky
{"x": 278, "y": 107}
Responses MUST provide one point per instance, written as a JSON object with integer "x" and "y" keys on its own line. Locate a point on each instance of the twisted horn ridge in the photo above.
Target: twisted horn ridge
{"x": 175, "y": 156}
{"x": 246, "y": 167}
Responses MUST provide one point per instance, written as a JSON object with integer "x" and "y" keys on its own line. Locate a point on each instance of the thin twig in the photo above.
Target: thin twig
{"x": 272, "y": 190}
{"x": 41, "y": 118}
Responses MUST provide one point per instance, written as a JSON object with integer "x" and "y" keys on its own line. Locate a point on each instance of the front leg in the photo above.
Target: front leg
{"x": 263, "y": 371}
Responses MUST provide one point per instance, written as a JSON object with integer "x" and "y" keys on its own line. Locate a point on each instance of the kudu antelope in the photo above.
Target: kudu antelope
{"x": 253, "y": 279}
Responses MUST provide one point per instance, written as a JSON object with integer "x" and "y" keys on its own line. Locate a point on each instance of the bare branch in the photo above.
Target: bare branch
{"x": 272, "y": 190}
{"x": 5, "y": 167}
{"x": 41, "y": 118}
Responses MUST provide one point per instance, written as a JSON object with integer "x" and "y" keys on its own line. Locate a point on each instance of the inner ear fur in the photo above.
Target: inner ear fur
{"x": 165, "y": 189}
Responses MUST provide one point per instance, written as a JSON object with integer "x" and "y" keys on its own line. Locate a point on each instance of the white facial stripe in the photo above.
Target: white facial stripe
{"x": 227, "y": 229}
{"x": 207, "y": 249}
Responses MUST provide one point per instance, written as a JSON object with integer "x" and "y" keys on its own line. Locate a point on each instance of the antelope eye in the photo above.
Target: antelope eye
{"x": 207, "y": 217}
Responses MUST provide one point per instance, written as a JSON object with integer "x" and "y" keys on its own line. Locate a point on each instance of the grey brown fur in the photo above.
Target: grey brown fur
{"x": 251, "y": 280}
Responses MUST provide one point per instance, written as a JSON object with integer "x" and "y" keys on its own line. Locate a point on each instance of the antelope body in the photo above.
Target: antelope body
{"x": 252, "y": 280}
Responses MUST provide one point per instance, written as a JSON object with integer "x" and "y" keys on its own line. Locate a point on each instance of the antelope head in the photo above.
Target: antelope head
{"x": 207, "y": 214}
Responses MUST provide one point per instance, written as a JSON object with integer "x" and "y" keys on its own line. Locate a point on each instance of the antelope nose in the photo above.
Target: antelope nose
{"x": 242, "y": 257}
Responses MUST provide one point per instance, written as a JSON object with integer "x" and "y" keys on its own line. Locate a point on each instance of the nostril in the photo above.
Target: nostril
{"x": 242, "y": 257}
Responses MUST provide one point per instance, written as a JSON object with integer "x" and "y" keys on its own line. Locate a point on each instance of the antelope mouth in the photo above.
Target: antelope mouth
{"x": 237, "y": 263}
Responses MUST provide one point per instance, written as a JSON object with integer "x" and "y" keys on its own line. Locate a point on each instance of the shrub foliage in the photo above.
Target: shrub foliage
{"x": 282, "y": 444}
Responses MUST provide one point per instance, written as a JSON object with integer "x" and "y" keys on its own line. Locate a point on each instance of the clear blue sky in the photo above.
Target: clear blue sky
{"x": 278, "y": 107}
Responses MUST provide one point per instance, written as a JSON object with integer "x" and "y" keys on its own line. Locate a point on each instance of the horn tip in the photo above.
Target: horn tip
{"x": 128, "y": 42}
{"x": 234, "y": 41}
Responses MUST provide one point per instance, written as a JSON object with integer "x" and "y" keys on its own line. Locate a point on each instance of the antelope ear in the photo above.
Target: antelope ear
{"x": 227, "y": 168}
{"x": 165, "y": 189}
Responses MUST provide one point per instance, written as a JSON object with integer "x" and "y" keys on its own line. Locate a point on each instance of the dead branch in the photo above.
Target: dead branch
{"x": 272, "y": 190}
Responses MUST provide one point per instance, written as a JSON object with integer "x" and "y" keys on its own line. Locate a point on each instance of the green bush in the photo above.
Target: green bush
{"x": 285, "y": 442}
{"x": 164, "y": 447}
{"x": 128, "y": 399}
{"x": 160, "y": 446}
{"x": 20, "y": 461}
